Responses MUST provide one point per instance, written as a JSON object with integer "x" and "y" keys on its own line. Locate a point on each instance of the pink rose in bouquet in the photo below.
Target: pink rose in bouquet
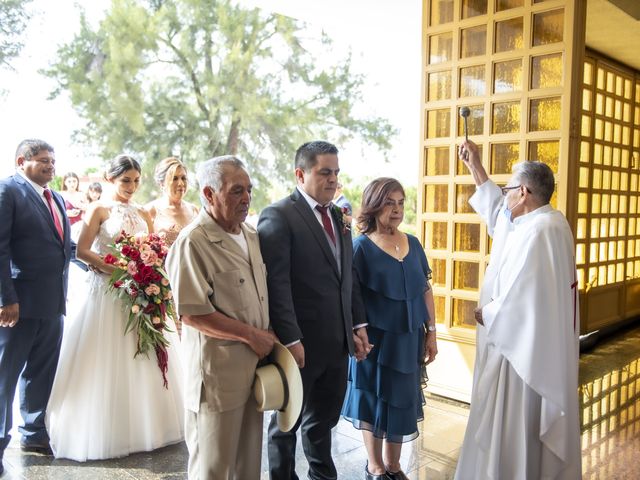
{"x": 149, "y": 257}
{"x": 152, "y": 290}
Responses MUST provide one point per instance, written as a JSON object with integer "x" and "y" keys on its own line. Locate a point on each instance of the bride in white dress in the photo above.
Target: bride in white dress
{"x": 105, "y": 403}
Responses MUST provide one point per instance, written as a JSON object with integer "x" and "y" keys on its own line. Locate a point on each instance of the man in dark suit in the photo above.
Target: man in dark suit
{"x": 314, "y": 304}
{"x": 35, "y": 249}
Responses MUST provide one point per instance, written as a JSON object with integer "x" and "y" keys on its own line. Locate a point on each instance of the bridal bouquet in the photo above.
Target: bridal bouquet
{"x": 140, "y": 280}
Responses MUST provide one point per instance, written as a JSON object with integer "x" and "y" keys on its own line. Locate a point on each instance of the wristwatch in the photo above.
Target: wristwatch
{"x": 431, "y": 328}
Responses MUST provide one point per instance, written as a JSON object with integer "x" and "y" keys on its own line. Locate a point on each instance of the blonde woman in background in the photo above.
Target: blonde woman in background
{"x": 170, "y": 213}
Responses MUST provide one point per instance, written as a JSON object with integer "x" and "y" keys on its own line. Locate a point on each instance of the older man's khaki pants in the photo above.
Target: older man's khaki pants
{"x": 224, "y": 445}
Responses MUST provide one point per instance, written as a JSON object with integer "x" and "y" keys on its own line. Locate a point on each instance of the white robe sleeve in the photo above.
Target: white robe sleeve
{"x": 487, "y": 202}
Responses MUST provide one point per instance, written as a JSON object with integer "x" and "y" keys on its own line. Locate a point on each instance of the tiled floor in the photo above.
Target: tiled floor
{"x": 610, "y": 401}
{"x": 610, "y": 396}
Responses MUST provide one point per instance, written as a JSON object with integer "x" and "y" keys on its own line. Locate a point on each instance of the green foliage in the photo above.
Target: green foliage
{"x": 352, "y": 190}
{"x": 56, "y": 183}
{"x": 13, "y": 20}
{"x": 410, "y": 207}
{"x": 201, "y": 78}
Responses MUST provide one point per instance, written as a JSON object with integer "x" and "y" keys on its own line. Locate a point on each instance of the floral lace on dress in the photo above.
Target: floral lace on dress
{"x": 123, "y": 216}
{"x": 167, "y": 227}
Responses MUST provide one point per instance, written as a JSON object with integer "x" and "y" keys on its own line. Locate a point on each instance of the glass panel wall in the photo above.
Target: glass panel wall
{"x": 508, "y": 4}
{"x": 439, "y": 86}
{"x": 507, "y": 76}
{"x": 473, "y": 41}
{"x": 472, "y": 81}
{"x": 509, "y": 35}
{"x": 548, "y": 27}
{"x": 546, "y": 71}
{"x": 608, "y": 233}
{"x": 473, "y": 8}
{"x": 505, "y": 60}
{"x": 441, "y": 12}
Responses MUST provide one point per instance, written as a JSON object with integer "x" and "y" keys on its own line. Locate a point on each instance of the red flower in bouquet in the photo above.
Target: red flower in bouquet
{"x": 142, "y": 283}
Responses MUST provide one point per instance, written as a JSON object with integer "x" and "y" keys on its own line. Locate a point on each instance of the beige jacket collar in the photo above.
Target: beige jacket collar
{"x": 216, "y": 234}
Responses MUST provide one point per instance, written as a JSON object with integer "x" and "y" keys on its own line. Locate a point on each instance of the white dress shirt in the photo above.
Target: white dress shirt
{"x": 40, "y": 191}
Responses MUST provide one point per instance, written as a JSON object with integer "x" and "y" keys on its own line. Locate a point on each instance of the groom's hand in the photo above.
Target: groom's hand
{"x": 9, "y": 315}
{"x": 361, "y": 343}
{"x": 297, "y": 350}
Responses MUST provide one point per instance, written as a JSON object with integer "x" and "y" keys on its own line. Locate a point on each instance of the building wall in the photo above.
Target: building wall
{"x": 515, "y": 64}
{"x": 608, "y": 222}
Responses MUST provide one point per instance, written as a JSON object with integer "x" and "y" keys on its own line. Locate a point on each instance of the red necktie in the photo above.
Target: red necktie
{"x": 326, "y": 222}
{"x": 56, "y": 220}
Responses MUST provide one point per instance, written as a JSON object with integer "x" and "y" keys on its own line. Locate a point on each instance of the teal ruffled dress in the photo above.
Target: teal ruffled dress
{"x": 384, "y": 391}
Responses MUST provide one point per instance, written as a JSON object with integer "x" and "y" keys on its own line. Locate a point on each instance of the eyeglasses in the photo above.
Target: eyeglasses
{"x": 505, "y": 190}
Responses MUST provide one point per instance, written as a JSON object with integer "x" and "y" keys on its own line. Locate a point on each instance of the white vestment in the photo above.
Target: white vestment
{"x": 524, "y": 422}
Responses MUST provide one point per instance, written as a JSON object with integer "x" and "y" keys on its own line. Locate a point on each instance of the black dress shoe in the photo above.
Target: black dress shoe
{"x": 1, "y": 468}
{"x": 36, "y": 447}
{"x": 371, "y": 476}
{"x": 399, "y": 475}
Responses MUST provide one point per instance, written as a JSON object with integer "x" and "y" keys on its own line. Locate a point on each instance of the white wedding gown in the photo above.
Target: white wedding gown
{"x": 105, "y": 403}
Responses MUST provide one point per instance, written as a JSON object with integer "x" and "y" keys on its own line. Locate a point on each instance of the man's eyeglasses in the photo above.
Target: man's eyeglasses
{"x": 505, "y": 190}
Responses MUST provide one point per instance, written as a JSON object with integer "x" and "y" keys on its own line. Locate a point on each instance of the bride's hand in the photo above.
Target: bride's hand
{"x": 107, "y": 269}
{"x": 104, "y": 268}
{"x": 94, "y": 269}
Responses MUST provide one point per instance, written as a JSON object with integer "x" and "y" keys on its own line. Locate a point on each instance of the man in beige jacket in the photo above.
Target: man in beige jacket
{"x": 219, "y": 284}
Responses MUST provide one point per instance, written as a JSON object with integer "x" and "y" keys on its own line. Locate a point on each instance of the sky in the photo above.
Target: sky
{"x": 383, "y": 35}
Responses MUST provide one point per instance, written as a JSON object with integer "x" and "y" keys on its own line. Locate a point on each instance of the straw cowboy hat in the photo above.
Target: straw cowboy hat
{"x": 278, "y": 386}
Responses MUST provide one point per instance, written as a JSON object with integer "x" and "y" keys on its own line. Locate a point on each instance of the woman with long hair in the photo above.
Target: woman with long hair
{"x": 94, "y": 192}
{"x": 107, "y": 401}
{"x": 75, "y": 203}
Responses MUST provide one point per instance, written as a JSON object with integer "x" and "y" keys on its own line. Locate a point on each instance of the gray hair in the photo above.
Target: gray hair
{"x": 538, "y": 178}
{"x": 211, "y": 173}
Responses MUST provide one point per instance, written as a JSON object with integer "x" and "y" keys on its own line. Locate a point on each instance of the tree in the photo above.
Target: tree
{"x": 13, "y": 19}
{"x": 201, "y": 78}
{"x": 409, "y": 225}
{"x": 56, "y": 183}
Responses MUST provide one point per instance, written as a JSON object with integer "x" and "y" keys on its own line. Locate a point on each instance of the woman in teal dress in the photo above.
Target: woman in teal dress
{"x": 384, "y": 395}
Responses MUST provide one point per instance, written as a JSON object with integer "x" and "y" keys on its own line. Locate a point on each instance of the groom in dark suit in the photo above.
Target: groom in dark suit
{"x": 35, "y": 249}
{"x": 314, "y": 304}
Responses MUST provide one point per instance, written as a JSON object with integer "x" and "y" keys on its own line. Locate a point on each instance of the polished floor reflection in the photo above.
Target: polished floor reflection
{"x": 610, "y": 414}
{"x": 610, "y": 417}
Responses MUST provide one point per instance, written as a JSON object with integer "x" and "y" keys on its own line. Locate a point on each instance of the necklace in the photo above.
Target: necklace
{"x": 386, "y": 245}
{"x": 397, "y": 249}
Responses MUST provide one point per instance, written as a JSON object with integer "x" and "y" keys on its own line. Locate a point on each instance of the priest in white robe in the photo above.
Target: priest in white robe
{"x": 524, "y": 421}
